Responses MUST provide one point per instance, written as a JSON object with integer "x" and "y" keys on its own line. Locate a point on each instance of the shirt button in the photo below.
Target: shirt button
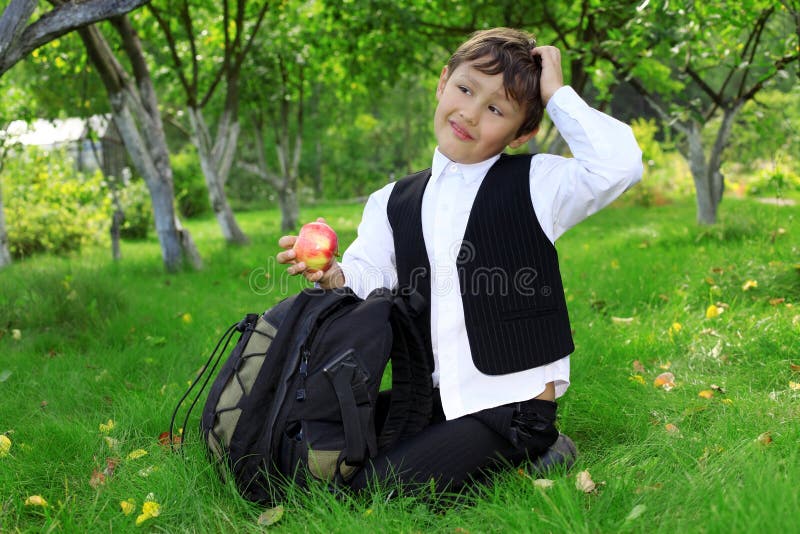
{"x": 453, "y": 168}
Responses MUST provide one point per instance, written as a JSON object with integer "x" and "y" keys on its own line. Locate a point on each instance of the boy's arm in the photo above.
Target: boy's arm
{"x": 606, "y": 158}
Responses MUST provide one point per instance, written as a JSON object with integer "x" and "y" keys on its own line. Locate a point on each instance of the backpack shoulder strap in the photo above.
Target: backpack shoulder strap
{"x": 412, "y": 389}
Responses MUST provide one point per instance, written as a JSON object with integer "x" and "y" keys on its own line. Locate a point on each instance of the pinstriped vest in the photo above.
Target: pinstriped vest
{"x": 514, "y": 305}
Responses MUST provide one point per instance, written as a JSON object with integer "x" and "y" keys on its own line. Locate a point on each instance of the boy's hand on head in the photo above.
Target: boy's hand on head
{"x": 552, "y": 78}
{"x": 332, "y": 277}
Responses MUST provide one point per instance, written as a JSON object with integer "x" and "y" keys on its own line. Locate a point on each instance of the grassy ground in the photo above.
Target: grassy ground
{"x": 83, "y": 342}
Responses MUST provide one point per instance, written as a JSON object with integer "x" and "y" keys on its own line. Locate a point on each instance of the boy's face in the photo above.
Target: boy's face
{"x": 475, "y": 119}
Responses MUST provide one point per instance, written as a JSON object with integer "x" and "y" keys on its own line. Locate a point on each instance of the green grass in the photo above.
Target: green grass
{"x": 99, "y": 341}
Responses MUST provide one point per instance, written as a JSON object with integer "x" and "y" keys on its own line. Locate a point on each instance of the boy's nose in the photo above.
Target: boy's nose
{"x": 469, "y": 114}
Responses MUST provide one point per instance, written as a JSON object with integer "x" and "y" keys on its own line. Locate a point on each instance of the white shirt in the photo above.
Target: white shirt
{"x": 606, "y": 161}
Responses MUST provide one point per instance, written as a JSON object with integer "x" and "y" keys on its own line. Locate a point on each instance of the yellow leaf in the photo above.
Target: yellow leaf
{"x": 111, "y": 442}
{"x": 544, "y": 483}
{"x": 794, "y": 385}
{"x": 675, "y": 328}
{"x": 151, "y": 508}
{"x": 615, "y": 264}
{"x": 636, "y": 378}
{"x": 665, "y": 366}
{"x": 186, "y": 318}
{"x": 105, "y": 428}
{"x": 127, "y": 506}
{"x": 584, "y": 482}
{"x": 749, "y": 284}
{"x": 16, "y": 334}
{"x": 270, "y": 516}
{"x": 706, "y": 394}
{"x": 5, "y": 445}
{"x": 138, "y": 453}
{"x": 35, "y": 500}
{"x": 713, "y": 311}
{"x": 727, "y": 401}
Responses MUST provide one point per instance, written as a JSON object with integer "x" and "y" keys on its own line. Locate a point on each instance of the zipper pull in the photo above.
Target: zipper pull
{"x": 300, "y": 395}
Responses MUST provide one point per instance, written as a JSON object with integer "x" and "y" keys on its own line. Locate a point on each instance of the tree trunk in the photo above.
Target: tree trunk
{"x": 708, "y": 179}
{"x": 215, "y": 160}
{"x": 290, "y": 211}
{"x": 143, "y": 136}
{"x": 5, "y": 255}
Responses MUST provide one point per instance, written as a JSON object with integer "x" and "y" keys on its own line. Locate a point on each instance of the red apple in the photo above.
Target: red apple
{"x": 316, "y": 246}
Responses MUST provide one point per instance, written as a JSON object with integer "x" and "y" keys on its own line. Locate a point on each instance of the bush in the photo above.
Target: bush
{"x": 138, "y": 209}
{"x": 774, "y": 181}
{"x": 191, "y": 193}
{"x": 49, "y": 206}
{"x": 666, "y": 173}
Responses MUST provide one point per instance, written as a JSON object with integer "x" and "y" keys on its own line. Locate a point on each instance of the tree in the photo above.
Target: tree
{"x": 695, "y": 62}
{"x": 237, "y": 31}
{"x": 18, "y": 38}
{"x": 135, "y": 110}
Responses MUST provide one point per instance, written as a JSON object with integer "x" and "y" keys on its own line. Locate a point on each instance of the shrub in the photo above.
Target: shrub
{"x": 774, "y": 180}
{"x": 49, "y": 206}
{"x": 191, "y": 193}
{"x": 137, "y": 206}
{"x": 666, "y": 173}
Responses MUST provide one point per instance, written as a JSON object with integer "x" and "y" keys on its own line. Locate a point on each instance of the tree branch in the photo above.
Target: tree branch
{"x": 191, "y": 90}
{"x": 62, "y": 19}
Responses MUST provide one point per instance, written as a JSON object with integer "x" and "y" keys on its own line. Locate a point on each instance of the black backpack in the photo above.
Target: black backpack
{"x": 296, "y": 397}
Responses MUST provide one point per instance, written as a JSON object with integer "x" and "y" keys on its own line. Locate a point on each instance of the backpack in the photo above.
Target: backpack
{"x": 296, "y": 397}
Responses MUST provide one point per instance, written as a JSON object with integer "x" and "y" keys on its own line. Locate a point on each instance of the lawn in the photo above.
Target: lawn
{"x": 94, "y": 356}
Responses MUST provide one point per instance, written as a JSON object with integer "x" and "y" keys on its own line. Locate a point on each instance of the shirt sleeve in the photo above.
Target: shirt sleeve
{"x": 606, "y": 162}
{"x": 369, "y": 262}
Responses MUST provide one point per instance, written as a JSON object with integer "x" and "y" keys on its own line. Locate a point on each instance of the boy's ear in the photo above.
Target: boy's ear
{"x": 522, "y": 139}
{"x": 442, "y": 82}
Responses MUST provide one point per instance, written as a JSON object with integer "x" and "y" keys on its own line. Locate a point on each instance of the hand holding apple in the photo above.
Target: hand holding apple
{"x": 316, "y": 263}
{"x": 316, "y": 246}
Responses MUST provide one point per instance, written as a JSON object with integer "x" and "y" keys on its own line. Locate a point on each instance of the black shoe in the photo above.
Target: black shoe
{"x": 562, "y": 452}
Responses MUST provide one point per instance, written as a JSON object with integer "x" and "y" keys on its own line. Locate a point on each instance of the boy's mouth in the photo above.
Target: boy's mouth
{"x": 460, "y": 132}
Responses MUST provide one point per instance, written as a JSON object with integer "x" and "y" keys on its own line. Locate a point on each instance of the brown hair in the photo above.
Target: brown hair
{"x": 507, "y": 51}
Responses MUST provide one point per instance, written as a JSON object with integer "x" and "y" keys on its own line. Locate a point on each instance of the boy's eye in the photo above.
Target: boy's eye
{"x": 463, "y": 89}
{"x": 495, "y": 110}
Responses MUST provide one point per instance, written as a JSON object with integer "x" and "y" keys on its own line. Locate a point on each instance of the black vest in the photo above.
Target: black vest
{"x": 514, "y": 305}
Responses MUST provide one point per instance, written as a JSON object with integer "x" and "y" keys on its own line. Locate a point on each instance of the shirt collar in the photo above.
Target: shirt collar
{"x": 469, "y": 171}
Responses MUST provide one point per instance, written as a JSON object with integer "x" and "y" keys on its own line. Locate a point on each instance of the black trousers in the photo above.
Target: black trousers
{"x": 453, "y": 453}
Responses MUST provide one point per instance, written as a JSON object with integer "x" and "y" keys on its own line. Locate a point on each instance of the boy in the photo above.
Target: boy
{"x": 474, "y": 234}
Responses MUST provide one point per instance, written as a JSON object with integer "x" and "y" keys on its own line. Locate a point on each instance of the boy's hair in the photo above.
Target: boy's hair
{"x": 507, "y": 51}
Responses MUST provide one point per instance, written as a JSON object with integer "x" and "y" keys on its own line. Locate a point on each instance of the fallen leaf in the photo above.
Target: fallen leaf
{"x": 584, "y": 482}
{"x": 5, "y": 445}
{"x": 270, "y": 516}
{"x": 97, "y": 479}
{"x": 4, "y": 375}
{"x": 147, "y": 471}
{"x": 186, "y": 318}
{"x": 111, "y": 466}
{"x": 794, "y": 385}
{"x": 675, "y": 328}
{"x": 718, "y": 389}
{"x": 665, "y": 366}
{"x": 150, "y": 509}
{"x": 105, "y": 428}
{"x": 636, "y": 378}
{"x": 637, "y": 511}
{"x": 765, "y": 438}
{"x": 727, "y": 401}
{"x": 163, "y": 439}
{"x": 706, "y": 394}
{"x": 713, "y": 311}
{"x": 622, "y": 320}
{"x": 36, "y": 500}
{"x": 794, "y": 367}
{"x": 127, "y": 506}
{"x": 749, "y": 284}
{"x": 112, "y": 443}
{"x": 672, "y": 429}
{"x": 665, "y": 380}
{"x": 138, "y": 453}
{"x": 16, "y": 334}
{"x": 638, "y": 367}
{"x": 544, "y": 483}
{"x": 710, "y": 281}
{"x": 776, "y": 301}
